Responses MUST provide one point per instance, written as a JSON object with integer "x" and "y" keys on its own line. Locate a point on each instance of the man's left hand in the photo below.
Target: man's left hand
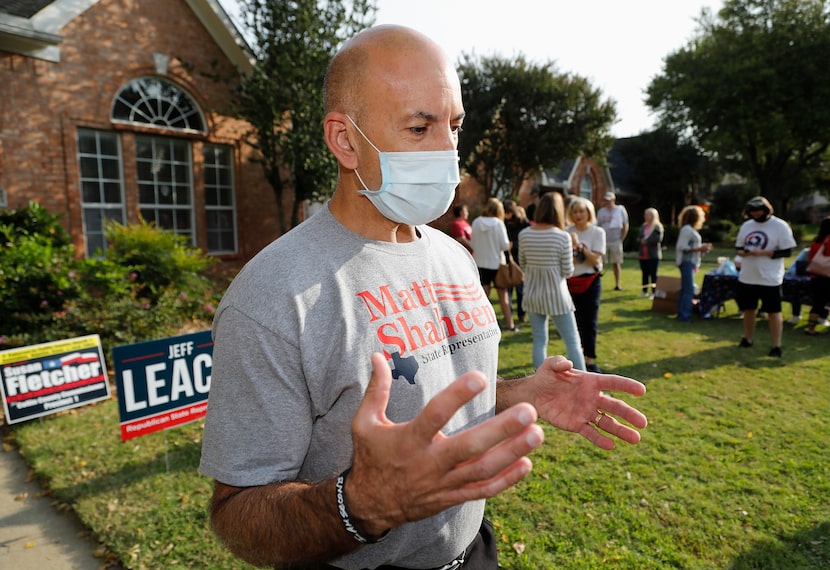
{"x": 575, "y": 400}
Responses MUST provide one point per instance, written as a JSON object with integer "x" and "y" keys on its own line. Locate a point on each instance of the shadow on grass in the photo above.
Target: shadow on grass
{"x": 179, "y": 459}
{"x": 805, "y": 550}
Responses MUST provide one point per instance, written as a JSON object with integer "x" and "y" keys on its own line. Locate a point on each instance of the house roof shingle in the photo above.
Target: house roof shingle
{"x": 23, "y": 8}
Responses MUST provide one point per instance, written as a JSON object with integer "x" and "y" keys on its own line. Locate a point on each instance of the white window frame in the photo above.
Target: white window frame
{"x": 220, "y": 199}
{"x": 170, "y": 181}
{"x": 106, "y": 210}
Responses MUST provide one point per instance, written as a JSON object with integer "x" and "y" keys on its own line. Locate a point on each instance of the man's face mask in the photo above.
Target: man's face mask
{"x": 416, "y": 187}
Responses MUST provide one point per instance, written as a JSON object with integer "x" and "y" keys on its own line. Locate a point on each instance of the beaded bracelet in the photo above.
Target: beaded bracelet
{"x": 344, "y": 513}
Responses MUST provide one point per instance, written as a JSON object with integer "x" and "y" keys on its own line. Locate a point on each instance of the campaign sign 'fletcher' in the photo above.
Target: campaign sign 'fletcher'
{"x": 46, "y": 378}
{"x": 162, "y": 383}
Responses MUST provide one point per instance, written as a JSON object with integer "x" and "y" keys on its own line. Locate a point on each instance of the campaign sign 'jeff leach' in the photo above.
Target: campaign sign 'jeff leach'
{"x": 46, "y": 378}
{"x": 162, "y": 383}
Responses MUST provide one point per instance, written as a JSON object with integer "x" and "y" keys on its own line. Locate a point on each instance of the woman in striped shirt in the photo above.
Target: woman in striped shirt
{"x": 546, "y": 256}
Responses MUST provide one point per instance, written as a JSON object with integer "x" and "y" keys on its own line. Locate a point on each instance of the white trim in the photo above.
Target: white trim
{"x": 224, "y": 32}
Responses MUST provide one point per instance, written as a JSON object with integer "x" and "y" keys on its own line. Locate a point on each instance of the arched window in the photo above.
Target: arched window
{"x": 155, "y": 102}
{"x": 163, "y": 181}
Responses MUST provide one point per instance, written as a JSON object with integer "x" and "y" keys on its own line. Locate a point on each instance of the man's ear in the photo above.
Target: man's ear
{"x": 338, "y": 141}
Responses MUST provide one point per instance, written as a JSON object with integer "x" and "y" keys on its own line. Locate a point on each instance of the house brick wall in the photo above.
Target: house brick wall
{"x": 42, "y": 104}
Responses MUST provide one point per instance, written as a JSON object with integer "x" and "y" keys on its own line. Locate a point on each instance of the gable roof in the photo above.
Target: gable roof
{"x": 32, "y": 27}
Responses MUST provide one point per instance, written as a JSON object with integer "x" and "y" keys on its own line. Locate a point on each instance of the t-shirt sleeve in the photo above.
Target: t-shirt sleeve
{"x": 257, "y": 382}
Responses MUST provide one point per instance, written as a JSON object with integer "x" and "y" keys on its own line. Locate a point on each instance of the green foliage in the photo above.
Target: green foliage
{"x": 146, "y": 285}
{"x": 282, "y": 98}
{"x": 667, "y": 171}
{"x": 36, "y": 260}
{"x": 752, "y": 90}
{"x": 523, "y": 117}
{"x": 160, "y": 259}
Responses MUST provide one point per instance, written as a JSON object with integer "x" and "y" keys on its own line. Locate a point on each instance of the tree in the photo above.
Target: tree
{"x": 283, "y": 97}
{"x": 752, "y": 90}
{"x": 666, "y": 171}
{"x": 523, "y": 118}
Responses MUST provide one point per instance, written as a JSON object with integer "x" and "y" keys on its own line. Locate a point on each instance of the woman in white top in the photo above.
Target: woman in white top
{"x": 589, "y": 247}
{"x": 490, "y": 242}
{"x": 688, "y": 250}
{"x": 546, "y": 255}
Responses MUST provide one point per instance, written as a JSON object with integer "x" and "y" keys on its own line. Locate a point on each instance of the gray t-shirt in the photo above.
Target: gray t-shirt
{"x": 291, "y": 360}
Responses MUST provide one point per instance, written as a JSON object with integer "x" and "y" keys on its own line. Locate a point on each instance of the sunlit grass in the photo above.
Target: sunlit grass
{"x": 732, "y": 472}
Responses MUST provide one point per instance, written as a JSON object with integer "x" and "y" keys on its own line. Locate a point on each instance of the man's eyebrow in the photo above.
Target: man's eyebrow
{"x": 432, "y": 117}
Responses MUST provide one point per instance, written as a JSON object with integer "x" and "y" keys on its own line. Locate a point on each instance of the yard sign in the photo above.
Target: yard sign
{"x": 162, "y": 383}
{"x": 47, "y": 378}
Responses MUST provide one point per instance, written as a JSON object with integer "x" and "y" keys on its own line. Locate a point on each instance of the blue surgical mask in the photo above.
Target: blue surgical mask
{"x": 416, "y": 187}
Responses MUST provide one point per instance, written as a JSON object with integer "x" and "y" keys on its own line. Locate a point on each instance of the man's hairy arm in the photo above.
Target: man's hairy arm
{"x": 281, "y": 524}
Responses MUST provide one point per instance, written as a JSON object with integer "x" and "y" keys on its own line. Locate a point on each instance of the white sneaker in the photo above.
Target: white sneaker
{"x": 794, "y": 319}
{"x": 824, "y": 323}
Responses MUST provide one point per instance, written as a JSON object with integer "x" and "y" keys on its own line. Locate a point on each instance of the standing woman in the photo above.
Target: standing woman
{"x": 819, "y": 285}
{"x": 651, "y": 250}
{"x": 490, "y": 242}
{"x": 687, "y": 256}
{"x": 515, "y": 220}
{"x": 546, "y": 255}
{"x": 588, "y": 241}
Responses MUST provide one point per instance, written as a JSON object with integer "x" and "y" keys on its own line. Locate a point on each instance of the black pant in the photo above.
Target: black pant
{"x": 481, "y": 554}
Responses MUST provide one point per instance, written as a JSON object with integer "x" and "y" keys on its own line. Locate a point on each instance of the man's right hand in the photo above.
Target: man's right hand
{"x": 410, "y": 471}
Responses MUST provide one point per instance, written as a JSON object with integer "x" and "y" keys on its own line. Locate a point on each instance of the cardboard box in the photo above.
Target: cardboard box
{"x": 667, "y": 289}
{"x": 664, "y": 306}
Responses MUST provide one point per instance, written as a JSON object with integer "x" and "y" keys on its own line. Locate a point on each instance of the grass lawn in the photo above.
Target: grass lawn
{"x": 733, "y": 470}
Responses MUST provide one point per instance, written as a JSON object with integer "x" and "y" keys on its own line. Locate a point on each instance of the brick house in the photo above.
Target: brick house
{"x": 108, "y": 112}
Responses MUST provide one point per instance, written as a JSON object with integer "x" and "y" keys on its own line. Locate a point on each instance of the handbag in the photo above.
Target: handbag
{"x": 510, "y": 274}
{"x": 820, "y": 264}
{"x": 581, "y": 283}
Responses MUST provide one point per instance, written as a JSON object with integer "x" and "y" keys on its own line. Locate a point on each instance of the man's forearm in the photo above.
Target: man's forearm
{"x": 281, "y": 524}
{"x": 510, "y": 392}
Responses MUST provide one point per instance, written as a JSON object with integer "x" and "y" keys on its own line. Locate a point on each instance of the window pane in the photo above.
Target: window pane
{"x": 86, "y": 142}
{"x": 93, "y": 221}
{"x": 146, "y": 194}
{"x": 89, "y": 167}
{"x": 90, "y": 192}
{"x": 164, "y": 219}
{"x": 110, "y": 168}
{"x": 165, "y": 195}
{"x": 182, "y": 220}
{"x": 109, "y": 146}
{"x": 112, "y": 193}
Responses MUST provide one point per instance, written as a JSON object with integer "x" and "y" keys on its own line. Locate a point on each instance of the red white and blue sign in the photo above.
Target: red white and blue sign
{"x": 162, "y": 383}
{"x": 43, "y": 379}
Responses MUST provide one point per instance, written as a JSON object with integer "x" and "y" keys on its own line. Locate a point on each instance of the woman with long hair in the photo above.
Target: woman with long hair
{"x": 688, "y": 250}
{"x": 546, "y": 256}
{"x": 819, "y": 284}
{"x": 490, "y": 242}
{"x": 651, "y": 250}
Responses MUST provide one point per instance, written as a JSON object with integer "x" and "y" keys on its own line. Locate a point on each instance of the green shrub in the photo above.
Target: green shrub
{"x": 160, "y": 259}
{"x": 36, "y": 270}
{"x": 148, "y": 284}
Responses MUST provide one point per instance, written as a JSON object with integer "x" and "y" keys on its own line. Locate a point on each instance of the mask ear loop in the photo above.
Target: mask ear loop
{"x": 363, "y": 134}
{"x": 365, "y": 188}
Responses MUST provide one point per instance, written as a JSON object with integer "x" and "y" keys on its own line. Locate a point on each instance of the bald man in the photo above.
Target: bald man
{"x": 355, "y": 417}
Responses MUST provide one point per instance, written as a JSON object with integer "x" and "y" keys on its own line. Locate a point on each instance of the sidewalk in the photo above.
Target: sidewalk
{"x": 33, "y": 534}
